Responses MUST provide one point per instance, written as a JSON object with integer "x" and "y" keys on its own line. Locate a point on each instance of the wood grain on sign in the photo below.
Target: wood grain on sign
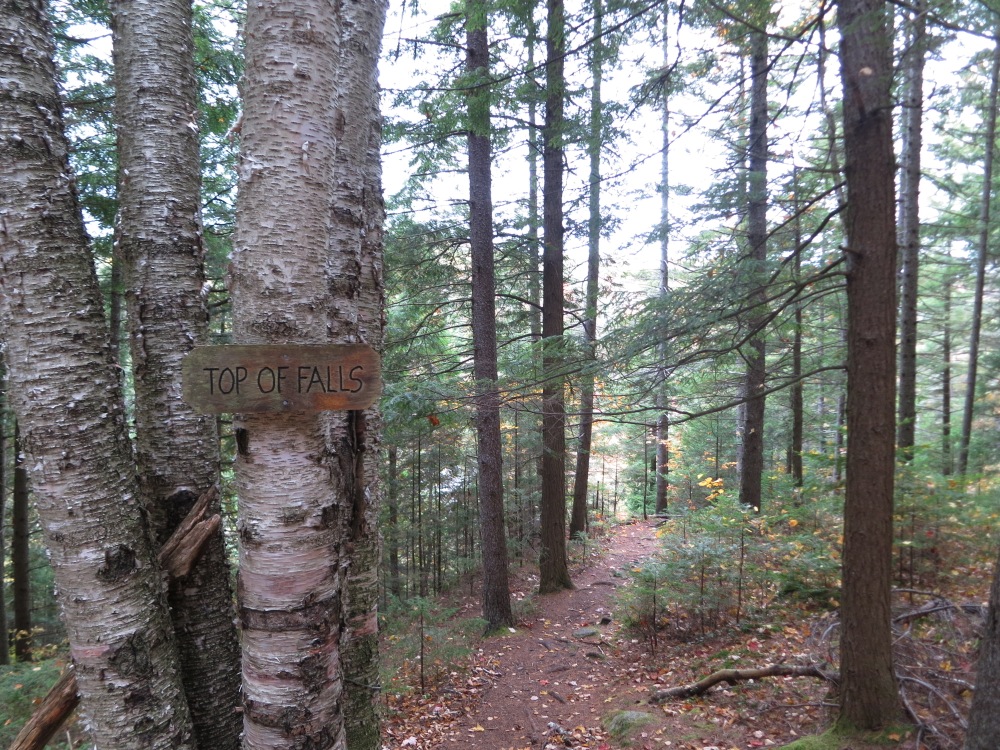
{"x": 281, "y": 377}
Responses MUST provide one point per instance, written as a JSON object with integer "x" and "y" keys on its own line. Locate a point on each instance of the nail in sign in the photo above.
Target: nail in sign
{"x": 281, "y": 377}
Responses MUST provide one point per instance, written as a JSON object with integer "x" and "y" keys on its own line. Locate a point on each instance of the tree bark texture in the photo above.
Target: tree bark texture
{"x": 161, "y": 251}
{"x": 909, "y": 229}
{"x": 869, "y": 695}
{"x": 984, "y": 716}
{"x": 581, "y": 479}
{"x": 64, "y": 391}
{"x": 795, "y": 392}
{"x": 495, "y": 586}
{"x": 358, "y": 217}
{"x": 302, "y": 273}
{"x": 20, "y": 552}
{"x": 947, "y": 461}
{"x": 983, "y": 252}
{"x": 4, "y": 634}
{"x": 752, "y": 427}
{"x": 663, "y": 392}
{"x": 553, "y": 565}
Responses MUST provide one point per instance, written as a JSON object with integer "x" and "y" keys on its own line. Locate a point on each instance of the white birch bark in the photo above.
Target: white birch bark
{"x": 160, "y": 244}
{"x": 65, "y": 394}
{"x": 297, "y": 278}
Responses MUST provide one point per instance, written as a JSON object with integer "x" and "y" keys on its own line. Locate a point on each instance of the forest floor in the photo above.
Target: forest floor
{"x": 570, "y": 668}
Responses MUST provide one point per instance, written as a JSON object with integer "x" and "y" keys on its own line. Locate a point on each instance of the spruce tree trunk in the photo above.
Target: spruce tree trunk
{"x": 984, "y": 716}
{"x": 983, "y": 252}
{"x": 578, "y": 518}
{"x": 663, "y": 392}
{"x": 947, "y": 461}
{"x": 303, "y": 272}
{"x": 159, "y": 246}
{"x": 553, "y": 565}
{"x": 392, "y": 533}
{"x": 796, "y": 448}
{"x": 64, "y": 390}
{"x": 869, "y": 695}
{"x": 752, "y": 426}
{"x": 909, "y": 230}
{"x": 20, "y": 553}
{"x": 495, "y": 586}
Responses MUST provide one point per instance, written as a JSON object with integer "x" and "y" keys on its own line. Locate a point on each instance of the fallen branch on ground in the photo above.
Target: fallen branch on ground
{"x": 177, "y": 557}
{"x": 732, "y": 676}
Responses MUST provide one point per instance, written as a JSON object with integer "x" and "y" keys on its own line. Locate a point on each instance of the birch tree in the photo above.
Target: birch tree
{"x": 65, "y": 393}
{"x": 160, "y": 245}
{"x": 299, "y": 254}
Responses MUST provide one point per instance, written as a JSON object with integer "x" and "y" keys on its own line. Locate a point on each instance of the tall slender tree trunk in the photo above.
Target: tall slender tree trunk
{"x": 495, "y": 587}
{"x": 984, "y": 716}
{"x": 981, "y": 258}
{"x": 909, "y": 229}
{"x": 392, "y": 532}
{"x": 663, "y": 392}
{"x": 20, "y": 552}
{"x": 869, "y": 695}
{"x": 796, "y": 448}
{"x": 160, "y": 248}
{"x": 752, "y": 426}
{"x": 947, "y": 460}
{"x": 553, "y": 565}
{"x": 301, "y": 274}
{"x": 65, "y": 393}
{"x": 578, "y": 518}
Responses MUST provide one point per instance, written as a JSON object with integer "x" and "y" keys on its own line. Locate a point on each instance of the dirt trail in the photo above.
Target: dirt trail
{"x": 560, "y": 673}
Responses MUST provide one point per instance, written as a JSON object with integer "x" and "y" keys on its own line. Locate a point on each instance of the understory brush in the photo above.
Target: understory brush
{"x": 722, "y": 565}
{"x": 22, "y": 687}
{"x": 421, "y": 643}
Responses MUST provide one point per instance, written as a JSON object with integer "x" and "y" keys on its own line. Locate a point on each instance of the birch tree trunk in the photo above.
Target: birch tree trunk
{"x": 4, "y": 634}
{"x": 20, "y": 553}
{"x": 869, "y": 695}
{"x": 358, "y": 218}
{"x": 495, "y": 587}
{"x": 160, "y": 247}
{"x": 553, "y": 566}
{"x": 64, "y": 390}
{"x": 302, "y": 273}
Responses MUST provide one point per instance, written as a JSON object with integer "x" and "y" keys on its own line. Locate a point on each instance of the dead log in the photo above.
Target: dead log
{"x": 177, "y": 557}
{"x": 732, "y": 676}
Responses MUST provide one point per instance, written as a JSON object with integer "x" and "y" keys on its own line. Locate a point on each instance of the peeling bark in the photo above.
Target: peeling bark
{"x": 160, "y": 247}
{"x": 64, "y": 390}
{"x": 301, "y": 273}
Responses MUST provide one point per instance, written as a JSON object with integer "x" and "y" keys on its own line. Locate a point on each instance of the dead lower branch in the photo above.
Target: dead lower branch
{"x": 733, "y": 676}
{"x": 177, "y": 557}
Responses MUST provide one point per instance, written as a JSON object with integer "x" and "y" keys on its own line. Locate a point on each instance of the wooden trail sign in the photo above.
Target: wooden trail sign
{"x": 281, "y": 377}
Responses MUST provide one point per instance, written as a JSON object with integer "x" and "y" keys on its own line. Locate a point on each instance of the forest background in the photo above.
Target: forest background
{"x": 672, "y": 308}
